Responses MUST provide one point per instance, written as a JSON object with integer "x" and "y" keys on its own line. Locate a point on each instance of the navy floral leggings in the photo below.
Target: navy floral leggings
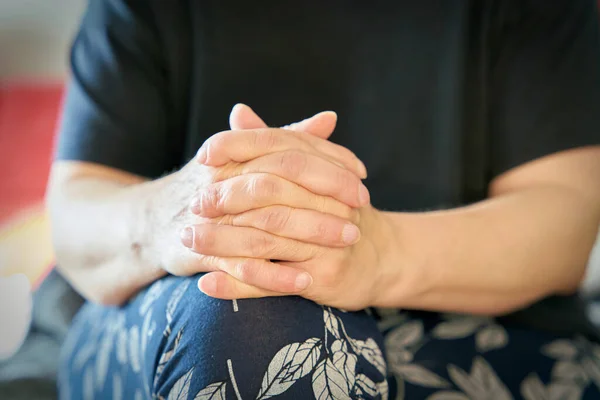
{"x": 173, "y": 342}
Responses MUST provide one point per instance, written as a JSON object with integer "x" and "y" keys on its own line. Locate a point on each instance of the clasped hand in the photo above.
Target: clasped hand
{"x": 283, "y": 212}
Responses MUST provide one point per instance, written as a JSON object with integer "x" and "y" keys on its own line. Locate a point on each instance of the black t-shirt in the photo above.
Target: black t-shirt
{"x": 436, "y": 97}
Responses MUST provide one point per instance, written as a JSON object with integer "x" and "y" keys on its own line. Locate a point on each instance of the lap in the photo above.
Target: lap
{"x": 172, "y": 341}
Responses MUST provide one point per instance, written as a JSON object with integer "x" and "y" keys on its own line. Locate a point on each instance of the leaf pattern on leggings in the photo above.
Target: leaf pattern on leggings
{"x": 329, "y": 383}
{"x": 532, "y": 388}
{"x": 134, "y": 349}
{"x": 383, "y": 389}
{"x": 576, "y": 368}
{"x": 345, "y": 362}
{"x": 88, "y": 384}
{"x": 145, "y": 333}
{"x": 331, "y": 322}
{"x": 214, "y": 391}
{"x": 481, "y": 383}
{"x": 173, "y": 303}
{"x": 153, "y": 293}
{"x": 84, "y": 354}
{"x": 166, "y": 356}
{"x": 363, "y": 385}
{"x": 291, "y": 363}
{"x": 457, "y": 328}
{"x": 181, "y": 388}
{"x": 103, "y": 358}
{"x": 371, "y": 352}
{"x": 117, "y": 392}
{"x": 488, "y": 334}
{"x": 121, "y": 347}
{"x": 419, "y": 375}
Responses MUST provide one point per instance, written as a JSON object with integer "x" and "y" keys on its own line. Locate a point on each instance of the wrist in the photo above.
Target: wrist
{"x": 405, "y": 275}
{"x": 160, "y": 215}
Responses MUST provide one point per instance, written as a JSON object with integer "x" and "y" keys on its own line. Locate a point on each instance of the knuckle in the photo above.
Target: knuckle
{"x": 245, "y": 270}
{"x": 264, "y": 139}
{"x": 206, "y": 263}
{"x": 328, "y": 276}
{"x": 211, "y": 197}
{"x": 344, "y": 181}
{"x": 261, "y": 245}
{"x": 264, "y": 186}
{"x": 204, "y": 239}
{"x": 214, "y": 144}
{"x": 332, "y": 274}
{"x": 322, "y": 230}
{"x": 293, "y": 163}
{"x": 275, "y": 219}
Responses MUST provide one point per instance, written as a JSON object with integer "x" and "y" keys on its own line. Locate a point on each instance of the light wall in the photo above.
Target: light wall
{"x": 35, "y": 36}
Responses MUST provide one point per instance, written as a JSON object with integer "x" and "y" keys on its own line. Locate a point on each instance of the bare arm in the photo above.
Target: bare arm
{"x": 530, "y": 239}
{"x": 102, "y": 220}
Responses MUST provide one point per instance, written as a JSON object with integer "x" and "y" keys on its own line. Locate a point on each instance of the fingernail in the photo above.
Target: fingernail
{"x": 350, "y": 234}
{"x": 187, "y": 237}
{"x": 303, "y": 281}
{"x": 362, "y": 169}
{"x": 363, "y": 195}
{"x": 201, "y": 155}
{"x": 195, "y": 205}
{"x": 335, "y": 116}
{"x": 208, "y": 284}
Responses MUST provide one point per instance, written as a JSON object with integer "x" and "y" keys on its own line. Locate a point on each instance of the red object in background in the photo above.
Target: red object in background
{"x": 28, "y": 115}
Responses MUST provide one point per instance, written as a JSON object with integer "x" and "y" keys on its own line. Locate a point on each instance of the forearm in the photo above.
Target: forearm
{"x": 497, "y": 255}
{"x": 102, "y": 232}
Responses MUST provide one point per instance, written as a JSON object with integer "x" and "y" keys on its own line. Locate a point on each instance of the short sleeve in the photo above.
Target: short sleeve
{"x": 545, "y": 80}
{"x": 114, "y": 112}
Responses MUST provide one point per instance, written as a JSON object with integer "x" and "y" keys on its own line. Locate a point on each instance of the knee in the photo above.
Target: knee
{"x": 264, "y": 347}
{"x": 216, "y": 328}
{"x": 255, "y": 326}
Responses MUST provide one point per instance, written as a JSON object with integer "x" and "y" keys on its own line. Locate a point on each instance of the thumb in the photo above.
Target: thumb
{"x": 320, "y": 125}
{"x": 243, "y": 117}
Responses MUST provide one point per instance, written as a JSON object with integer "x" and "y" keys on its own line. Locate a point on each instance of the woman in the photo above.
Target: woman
{"x": 477, "y": 126}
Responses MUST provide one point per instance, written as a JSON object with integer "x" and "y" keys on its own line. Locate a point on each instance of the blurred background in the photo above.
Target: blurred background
{"x": 35, "y": 36}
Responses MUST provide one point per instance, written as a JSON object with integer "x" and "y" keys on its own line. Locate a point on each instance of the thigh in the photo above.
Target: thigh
{"x": 455, "y": 357}
{"x": 172, "y": 341}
